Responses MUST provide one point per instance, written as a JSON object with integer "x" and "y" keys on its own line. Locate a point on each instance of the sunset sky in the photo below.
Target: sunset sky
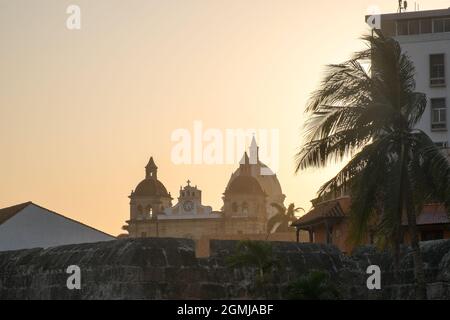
{"x": 82, "y": 111}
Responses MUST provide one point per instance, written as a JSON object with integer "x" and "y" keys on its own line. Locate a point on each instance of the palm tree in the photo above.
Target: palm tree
{"x": 370, "y": 114}
{"x": 315, "y": 285}
{"x": 258, "y": 255}
{"x": 282, "y": 220}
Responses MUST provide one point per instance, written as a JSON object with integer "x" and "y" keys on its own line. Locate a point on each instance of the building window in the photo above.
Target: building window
{"x": 438, "y": 114}
{"x": 402, "y": 28}
{"x": 148, "y": 212}
{"x": 422, "y": 26}
{"x": 414, "y": 27}
{"x": 234, "y": 207}
{"x": 437, "y": 70}
{"x": 438, "y": 26}
{"x": 426, "y": 26}
{"x": 441, "y": 25}
{"x": 140, "y": 213}
{"x": 245, "y": 208}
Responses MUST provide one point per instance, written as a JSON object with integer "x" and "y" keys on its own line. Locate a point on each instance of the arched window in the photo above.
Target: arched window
{"x": 148, "y": 212}
{"x": 140, "y": 212}
{"x": 234, "y": 207}
{"x": 245, "y": 208}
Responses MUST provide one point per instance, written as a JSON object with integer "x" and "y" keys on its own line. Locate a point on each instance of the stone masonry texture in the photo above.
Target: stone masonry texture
{"x": 168, "y": 269}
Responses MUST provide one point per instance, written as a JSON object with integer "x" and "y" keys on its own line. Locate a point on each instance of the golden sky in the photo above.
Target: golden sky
{"x": 81, "y": 111}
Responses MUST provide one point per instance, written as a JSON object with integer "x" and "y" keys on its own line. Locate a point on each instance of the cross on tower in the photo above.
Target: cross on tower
{"x": 189, "y": 183}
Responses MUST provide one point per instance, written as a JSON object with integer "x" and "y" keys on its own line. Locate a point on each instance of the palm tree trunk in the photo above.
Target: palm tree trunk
{"x": 396, "y": 245}
{"x": 262, "y": 282}
{"x": 421, "y": 286}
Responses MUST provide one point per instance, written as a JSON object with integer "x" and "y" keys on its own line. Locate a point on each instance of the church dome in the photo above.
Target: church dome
{"x": 244, "y": 185}
{"x": 261, "y": 172}
{"x": 150, "y": 188}
{"x": 264, "y": 176}
{"x": 269, "y": 183}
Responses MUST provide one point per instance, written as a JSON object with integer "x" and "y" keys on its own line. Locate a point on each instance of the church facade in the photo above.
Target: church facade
{"x": 247, "y": 204}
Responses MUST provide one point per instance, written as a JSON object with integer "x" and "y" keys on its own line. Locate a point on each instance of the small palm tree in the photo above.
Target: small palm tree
{"x": 281, "y": 222}
{"x": 316, "y": 285}
{"x": 258, "y": 255}
{"x": 371, "y": 115}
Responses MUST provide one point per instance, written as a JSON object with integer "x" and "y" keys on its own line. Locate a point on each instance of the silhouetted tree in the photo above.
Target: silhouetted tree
{"x": 370, "y": 114}
{"x": 315, "y": 285}
{"x": 282, "y": 220}
{"x": 258, "y": 255}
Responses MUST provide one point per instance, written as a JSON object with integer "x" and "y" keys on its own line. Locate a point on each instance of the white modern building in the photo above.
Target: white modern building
{"x": 28, "y": 225}
{"x": 425, "y": 37}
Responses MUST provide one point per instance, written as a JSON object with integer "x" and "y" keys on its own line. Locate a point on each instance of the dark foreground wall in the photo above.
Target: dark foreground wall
{"x": 168, "y": 269}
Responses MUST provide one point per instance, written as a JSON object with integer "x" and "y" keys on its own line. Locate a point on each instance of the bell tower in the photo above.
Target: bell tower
{"x": 151, "y": 170}
{"x": 147, "y": 201}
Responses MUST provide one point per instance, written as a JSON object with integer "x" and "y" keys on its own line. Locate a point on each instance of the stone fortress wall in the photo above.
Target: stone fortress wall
{"x": 169, "y": 269}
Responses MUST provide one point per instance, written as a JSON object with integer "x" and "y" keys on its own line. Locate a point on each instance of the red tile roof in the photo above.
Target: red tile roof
{"x": 337, "y": 208}
{"x": 432, "y": 214}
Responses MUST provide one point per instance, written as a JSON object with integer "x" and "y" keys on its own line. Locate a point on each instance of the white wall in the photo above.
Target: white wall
{"x": 419, "y": 48}
{"x": 36, "y": 227}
